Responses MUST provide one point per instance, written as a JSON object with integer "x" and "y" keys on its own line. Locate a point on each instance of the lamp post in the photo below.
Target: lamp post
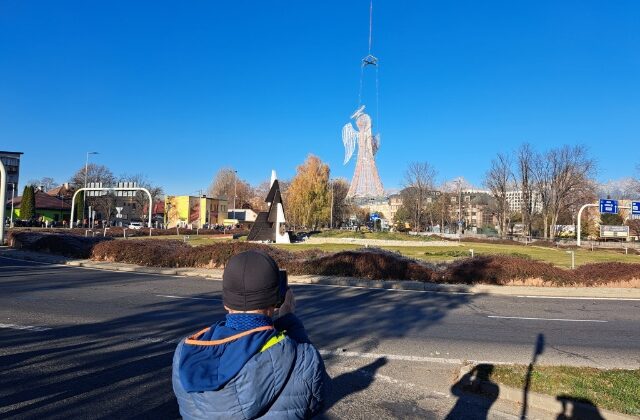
{"x": 235, "y": 181}
{"x": 13, "y": 196}
{"x": 86, "y": 169}
{"x": 331, "y": 221}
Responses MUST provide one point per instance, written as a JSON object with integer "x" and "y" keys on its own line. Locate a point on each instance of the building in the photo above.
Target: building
{"x": 11, "y": 161}
{"x": 476, "y": 209}
{"x": 242, "y": 216}
{"x": 194, "y": 212}
{"x": 515, "y": 201}
{"x": 48, "y": 207}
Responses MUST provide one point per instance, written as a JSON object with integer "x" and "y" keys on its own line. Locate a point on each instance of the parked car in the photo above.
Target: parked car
{"x": 135, "y": 225}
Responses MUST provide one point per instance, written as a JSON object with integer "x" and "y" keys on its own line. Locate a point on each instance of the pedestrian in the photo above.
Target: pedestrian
{"x": 250, "y": 365}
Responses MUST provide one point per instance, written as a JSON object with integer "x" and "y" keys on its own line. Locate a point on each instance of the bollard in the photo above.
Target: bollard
{"x": 197, "y": 231}
{"x": 86, "y": 233}
{"x": 105, "y": 232}
{"x": 471, "y": 251}
{"x": 177, "y": 230}
{"x": 150, "y": 231}
{"x": 573, "y": 259}
{"x": 626, "y": 251}
{"x": 124, "y": 233}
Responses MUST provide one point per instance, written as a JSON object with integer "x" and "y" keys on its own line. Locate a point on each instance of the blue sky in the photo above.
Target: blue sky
{"x": 176, "y": 90}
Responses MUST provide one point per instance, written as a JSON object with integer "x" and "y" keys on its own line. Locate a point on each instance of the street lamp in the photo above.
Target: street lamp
{"x": 235, "y": 181}
{"x": 331, "y": 222}
{"x": 13, "y": 196}
{"x": 84, "y": 193}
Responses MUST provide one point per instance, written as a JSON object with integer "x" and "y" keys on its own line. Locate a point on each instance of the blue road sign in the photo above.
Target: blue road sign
{"x": 635, "y": 207}
{"x": 608, "y": 206}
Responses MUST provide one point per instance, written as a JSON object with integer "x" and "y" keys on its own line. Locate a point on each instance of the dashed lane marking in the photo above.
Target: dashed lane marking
{"x": 575, "y": 298}
{"x": 544, "y": 319}
{"x": 189, "y": 297}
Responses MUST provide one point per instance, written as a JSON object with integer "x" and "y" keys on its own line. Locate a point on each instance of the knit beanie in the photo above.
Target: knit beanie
{"x": 250, "y": 281}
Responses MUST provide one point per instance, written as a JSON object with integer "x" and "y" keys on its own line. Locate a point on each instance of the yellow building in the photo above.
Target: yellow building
{"x": 193, "y": 212}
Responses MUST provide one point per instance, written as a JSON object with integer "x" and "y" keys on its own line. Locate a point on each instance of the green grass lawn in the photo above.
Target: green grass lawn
{"x": 387, "y": 236}
{"x": 558, "y": 257}
{"x": 616, "y": 390}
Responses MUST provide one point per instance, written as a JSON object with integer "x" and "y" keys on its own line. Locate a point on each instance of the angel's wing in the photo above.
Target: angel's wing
{"x": 375, "y": 143}
{"x": 349, "y": 139}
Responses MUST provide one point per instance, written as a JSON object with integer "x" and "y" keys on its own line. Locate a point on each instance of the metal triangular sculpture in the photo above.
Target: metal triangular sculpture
{"x": 270, "y": 225}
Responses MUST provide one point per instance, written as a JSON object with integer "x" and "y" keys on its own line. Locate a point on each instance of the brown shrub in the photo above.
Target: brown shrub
{"x": 500, "y": 269}
{"x": 370, "y": 263}
{"x": 607, "y": 272}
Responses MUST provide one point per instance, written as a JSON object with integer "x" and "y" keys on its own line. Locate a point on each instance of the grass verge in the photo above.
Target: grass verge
{"x": 615, "y": 389}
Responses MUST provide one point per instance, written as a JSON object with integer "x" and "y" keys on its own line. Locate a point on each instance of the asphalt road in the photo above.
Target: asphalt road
{"x": 77, "y": 342}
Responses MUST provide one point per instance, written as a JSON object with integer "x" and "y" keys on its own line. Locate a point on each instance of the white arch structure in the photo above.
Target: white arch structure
{"x": 3, "y": 202}
{"x": 579, "y": 227}
{"x": 73, "y": 201}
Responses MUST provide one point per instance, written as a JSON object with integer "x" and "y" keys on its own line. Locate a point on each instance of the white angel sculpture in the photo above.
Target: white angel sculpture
{"x": 366, "y": 181}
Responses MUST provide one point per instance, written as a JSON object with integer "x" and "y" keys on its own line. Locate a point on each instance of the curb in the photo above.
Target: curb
{"x": 406, "y": 285}
{"x": 539, "y": 401}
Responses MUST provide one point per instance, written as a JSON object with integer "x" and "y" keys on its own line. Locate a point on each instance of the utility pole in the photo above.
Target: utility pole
{"x": 86, "y": 169}
{"x": 13, "y": 196}
{"x": 235, "y": 181}
{"x": 459, "y": 205}
{"x": 331, "y": 222}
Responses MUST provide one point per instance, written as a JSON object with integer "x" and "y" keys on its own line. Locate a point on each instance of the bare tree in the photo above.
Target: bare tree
{"x": 47, "y": 183}
{"x": 498, "y": 180}
{"x": 95, "y": 173}
{"x": 226, "y": 183}
{"x": 525, "y": 182}
{"x": 570, "y": 169}
{"x": 419, "y": 180}
{"x": 341, "y": 209}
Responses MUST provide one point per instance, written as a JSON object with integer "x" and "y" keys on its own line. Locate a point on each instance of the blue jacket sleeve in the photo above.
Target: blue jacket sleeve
{"x": 292, "y": 324}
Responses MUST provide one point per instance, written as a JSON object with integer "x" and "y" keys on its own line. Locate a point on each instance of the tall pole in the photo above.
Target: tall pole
{"x": 13, "y": 196}
{"x": 579, "y": 227}
{"x": 86, "y": 169}
{"x": 235, "y": 180}
{"x": 331, "y": 222}
{"x": 459, "y": 206}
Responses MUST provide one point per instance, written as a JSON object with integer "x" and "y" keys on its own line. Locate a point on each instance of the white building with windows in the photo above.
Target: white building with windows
{"x": 514, "y": 199}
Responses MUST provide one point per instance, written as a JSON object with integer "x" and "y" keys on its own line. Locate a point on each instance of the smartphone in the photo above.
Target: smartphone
{"x": 283, "y": 287}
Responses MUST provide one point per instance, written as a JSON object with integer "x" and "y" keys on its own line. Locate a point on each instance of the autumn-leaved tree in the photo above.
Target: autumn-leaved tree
{"x": 308, "y": 200}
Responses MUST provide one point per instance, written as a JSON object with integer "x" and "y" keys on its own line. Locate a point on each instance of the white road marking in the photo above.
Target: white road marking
{"x": 380, "y": 288}
{"x": 575, "y": 298}
{"x": 24, "y": 327}
{"x": 545, "y": 319}
{"x": 189, "y": 297}
{"x": 408, "y": 358}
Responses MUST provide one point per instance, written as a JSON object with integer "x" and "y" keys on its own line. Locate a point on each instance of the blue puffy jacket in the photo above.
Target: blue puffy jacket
{"x": 262, "y": 373}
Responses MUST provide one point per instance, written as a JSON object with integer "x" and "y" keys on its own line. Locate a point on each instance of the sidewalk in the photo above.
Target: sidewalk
{"x": 216, "y": 274}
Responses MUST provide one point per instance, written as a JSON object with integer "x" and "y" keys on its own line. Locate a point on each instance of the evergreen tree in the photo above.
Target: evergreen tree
{"x": 28, "y": 203}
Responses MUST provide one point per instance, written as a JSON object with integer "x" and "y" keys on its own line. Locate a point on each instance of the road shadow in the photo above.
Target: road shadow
{"x": 352, "y": 382}
{"x": 476, "y": 382}
{"x": 538, "y": 350}
{"x": 575, "y": 408}
{"x": 112, "y": 356}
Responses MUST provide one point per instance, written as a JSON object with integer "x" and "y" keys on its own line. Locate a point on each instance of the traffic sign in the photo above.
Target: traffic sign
{"x": 608, "y": 206}
{"x": 635, "y": 207}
